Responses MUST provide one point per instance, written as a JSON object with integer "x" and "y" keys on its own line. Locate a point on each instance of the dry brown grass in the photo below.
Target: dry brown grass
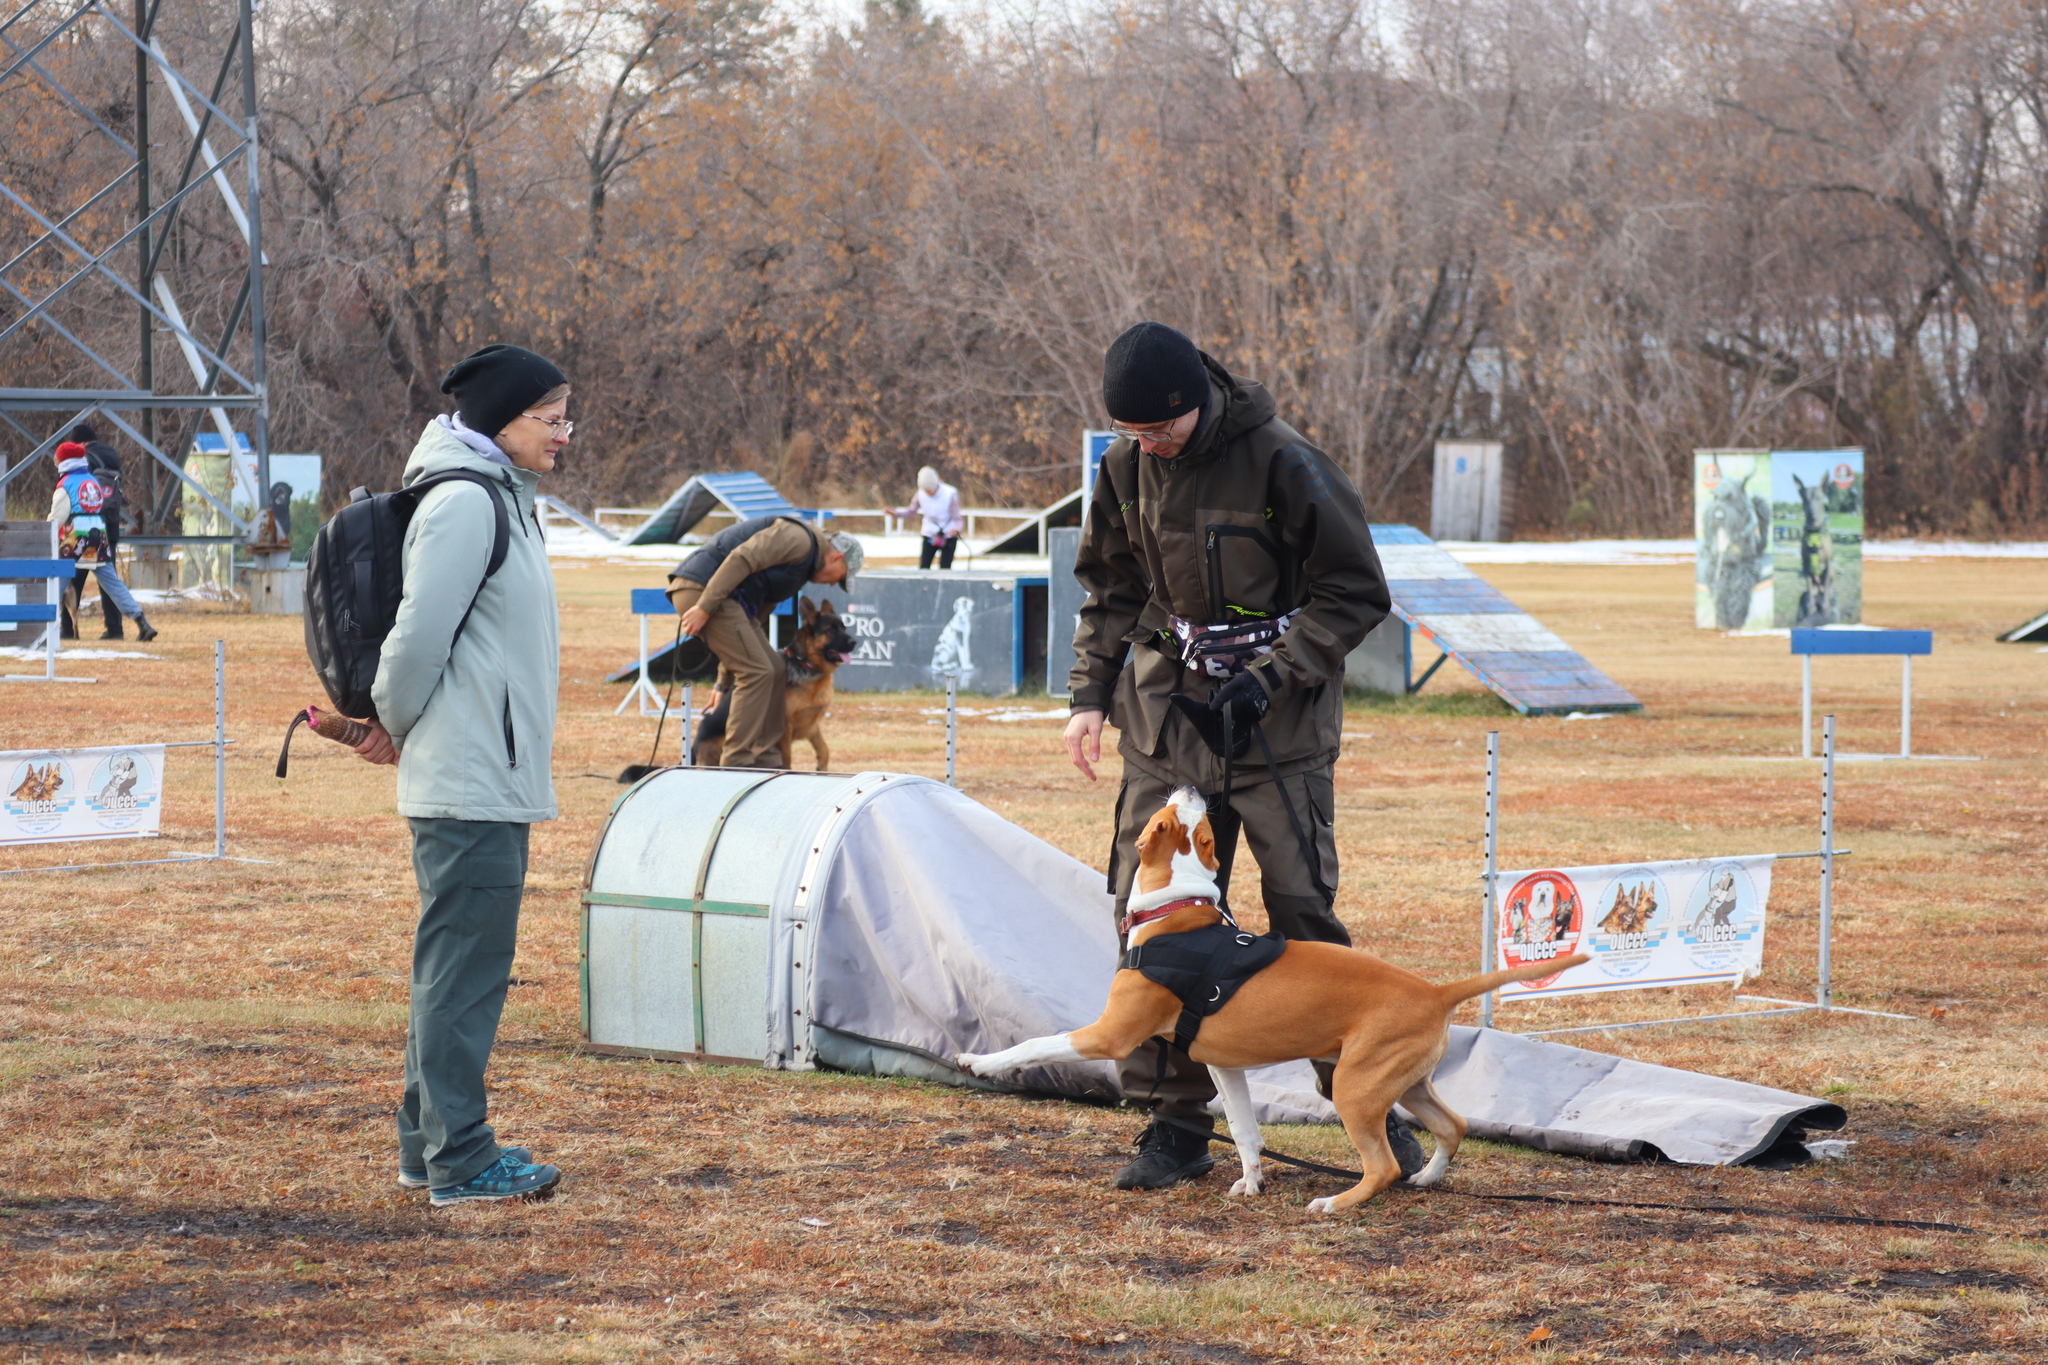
{"x": 197, "y": 1065}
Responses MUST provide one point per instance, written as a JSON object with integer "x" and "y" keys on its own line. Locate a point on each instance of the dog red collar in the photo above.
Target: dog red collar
{"x": 1160, "y": 912}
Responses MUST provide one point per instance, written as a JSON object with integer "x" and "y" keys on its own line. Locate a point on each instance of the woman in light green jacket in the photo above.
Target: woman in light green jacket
{"x": 466, "y": 685}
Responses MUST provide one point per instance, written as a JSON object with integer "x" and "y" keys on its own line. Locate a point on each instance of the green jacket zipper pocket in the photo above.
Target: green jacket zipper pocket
{"x": 511, "y": 744}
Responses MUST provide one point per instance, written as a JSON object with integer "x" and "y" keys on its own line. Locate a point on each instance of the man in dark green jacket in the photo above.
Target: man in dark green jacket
{"x": 1226, "y": 560}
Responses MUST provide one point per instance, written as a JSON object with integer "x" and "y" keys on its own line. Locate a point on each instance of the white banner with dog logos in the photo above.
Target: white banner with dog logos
{"x": 1689, "y": 923}
{"x": 61, "y": 795}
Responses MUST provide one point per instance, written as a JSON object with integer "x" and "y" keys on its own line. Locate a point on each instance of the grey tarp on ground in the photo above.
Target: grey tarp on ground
{"x": 943, "y": 928}
{"x": 1566, "y": 1099}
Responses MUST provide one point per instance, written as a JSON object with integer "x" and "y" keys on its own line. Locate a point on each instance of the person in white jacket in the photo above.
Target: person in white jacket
{"x": 465, "y": 694}
{"x": 939, "y": 504}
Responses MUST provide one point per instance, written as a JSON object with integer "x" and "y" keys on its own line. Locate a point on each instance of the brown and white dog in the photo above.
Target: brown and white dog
{"x": 1385, "y": 1028}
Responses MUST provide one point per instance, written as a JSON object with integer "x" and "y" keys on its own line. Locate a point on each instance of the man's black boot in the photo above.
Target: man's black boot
{"x": 1166, "y": 1156}
{"x": 144, "y": 631}
{"x": 112, "y": 618}
{"x": 1407, "y": 1150}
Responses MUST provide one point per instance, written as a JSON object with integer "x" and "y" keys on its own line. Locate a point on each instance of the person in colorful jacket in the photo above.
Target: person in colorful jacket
{"x": 78, "y": 505}
{"x": 105, "y": 463}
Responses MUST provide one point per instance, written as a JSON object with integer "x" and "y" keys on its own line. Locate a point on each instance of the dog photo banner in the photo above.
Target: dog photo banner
{"x": 59, "y": 796}
{"x": 1692, "y": 923}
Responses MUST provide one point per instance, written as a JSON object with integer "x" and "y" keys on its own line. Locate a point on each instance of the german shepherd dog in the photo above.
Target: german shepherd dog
{"x": 822, "y": 644}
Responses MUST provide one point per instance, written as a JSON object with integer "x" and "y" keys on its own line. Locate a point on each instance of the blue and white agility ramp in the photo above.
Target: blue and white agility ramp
{"x": 1474, "y": 625}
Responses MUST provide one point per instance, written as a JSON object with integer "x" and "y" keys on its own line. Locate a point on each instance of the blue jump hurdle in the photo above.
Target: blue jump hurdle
{"x": 1904, "y": 643}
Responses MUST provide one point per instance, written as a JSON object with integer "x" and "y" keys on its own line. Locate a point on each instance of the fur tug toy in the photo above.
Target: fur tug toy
{"x": 340, "y": 729}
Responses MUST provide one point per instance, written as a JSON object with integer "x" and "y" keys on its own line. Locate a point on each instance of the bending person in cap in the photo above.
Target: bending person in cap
{"x": 725, "y": 592}
{"x": 1236, "y": 555}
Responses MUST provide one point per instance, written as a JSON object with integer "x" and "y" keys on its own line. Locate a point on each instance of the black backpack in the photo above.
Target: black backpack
{"x": 355, "y": 579}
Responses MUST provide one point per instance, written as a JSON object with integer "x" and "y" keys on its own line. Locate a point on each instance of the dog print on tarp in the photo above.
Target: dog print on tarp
{"x": 1816, "y": 537}
{"x": 1732, "y": 523}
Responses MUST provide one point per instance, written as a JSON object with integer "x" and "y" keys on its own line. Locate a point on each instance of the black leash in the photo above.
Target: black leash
{"x": 1857, "y": 1220}
{"x": 1267, "y": 1154}
{"x": 1309, "y": 853}
{"x": 635, "y": 771}
{"x": 1229, "y": 747}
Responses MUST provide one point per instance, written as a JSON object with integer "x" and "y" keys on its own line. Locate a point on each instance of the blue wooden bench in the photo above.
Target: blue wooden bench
{"x": 57, "y": 572}
{"x": 1904, "y": 643}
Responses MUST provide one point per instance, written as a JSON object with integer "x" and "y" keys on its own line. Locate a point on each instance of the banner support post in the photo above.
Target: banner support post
{"x": 1806, "y": 706}
{"x": 220, "y": 749}
{"x": 689, "y": 737}
{"x": 1906, "y": 706}
{"x": 952, "y": 724}
{"x": 1489, "y": 926}
{"x": 1824, "y": 990}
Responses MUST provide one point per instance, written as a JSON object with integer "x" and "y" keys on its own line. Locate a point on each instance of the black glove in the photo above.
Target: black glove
{"x": 1242, "y": 698}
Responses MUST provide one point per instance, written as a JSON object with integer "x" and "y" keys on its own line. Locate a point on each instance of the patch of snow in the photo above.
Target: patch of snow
{"x": 1628, "y": 552}
{"x": 1955, "y": 549}
{"x": 1575, "y": 552}
{"x": 574, "y": 542}
{"x": 67, "y": 652}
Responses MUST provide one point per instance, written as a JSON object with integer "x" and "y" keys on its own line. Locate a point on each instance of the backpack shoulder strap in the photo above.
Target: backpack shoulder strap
{"x": 501, "y": 531}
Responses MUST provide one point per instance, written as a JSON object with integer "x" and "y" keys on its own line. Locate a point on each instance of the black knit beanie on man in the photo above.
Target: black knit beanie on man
{"x": 85, "y": 433}
{"x": 1153, "y": 374}
{"x": 496, "y": 384}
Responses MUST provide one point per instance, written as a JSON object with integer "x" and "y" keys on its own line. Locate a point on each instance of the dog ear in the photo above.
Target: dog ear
{"x": 1205, "y": 843}
{"x": 809, "y": 610}
{"x": 1162, "y": 826}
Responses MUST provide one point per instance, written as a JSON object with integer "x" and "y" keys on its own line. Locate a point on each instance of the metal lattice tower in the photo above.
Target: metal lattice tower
{"x": 111, "y": 214}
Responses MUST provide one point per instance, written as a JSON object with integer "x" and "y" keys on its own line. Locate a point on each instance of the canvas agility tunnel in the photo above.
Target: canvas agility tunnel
{"x": 879, "y": 923}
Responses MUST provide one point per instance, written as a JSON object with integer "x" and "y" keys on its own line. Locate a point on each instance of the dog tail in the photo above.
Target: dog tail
{"x": 1457, "y": 992}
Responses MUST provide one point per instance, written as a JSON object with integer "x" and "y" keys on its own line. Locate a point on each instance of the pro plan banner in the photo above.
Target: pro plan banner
{"x": 63, "y": 795}
{"x": 1644, "y": 924}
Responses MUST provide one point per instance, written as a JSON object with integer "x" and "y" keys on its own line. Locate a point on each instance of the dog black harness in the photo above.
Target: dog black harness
{"x": 1203, "y": 967}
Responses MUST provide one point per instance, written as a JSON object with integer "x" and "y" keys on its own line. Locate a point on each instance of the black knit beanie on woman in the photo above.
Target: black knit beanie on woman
{"x": 496, "y": 384}
{"x": 1153, "y": 374}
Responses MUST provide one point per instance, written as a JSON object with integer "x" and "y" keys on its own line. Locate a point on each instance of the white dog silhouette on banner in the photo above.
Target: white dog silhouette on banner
{"x": 954, "y": 657}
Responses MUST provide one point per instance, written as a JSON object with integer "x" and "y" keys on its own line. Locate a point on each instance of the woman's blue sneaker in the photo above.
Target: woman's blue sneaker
{"x": 417, "y": 1180}
{"x": 504, "y": 1178}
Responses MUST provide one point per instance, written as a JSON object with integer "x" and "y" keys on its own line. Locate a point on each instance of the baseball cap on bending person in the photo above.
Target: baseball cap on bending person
{"x": 494, "y": 385}
{"x": 850, "y": 547}
{"x": 1153, "y": 374}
